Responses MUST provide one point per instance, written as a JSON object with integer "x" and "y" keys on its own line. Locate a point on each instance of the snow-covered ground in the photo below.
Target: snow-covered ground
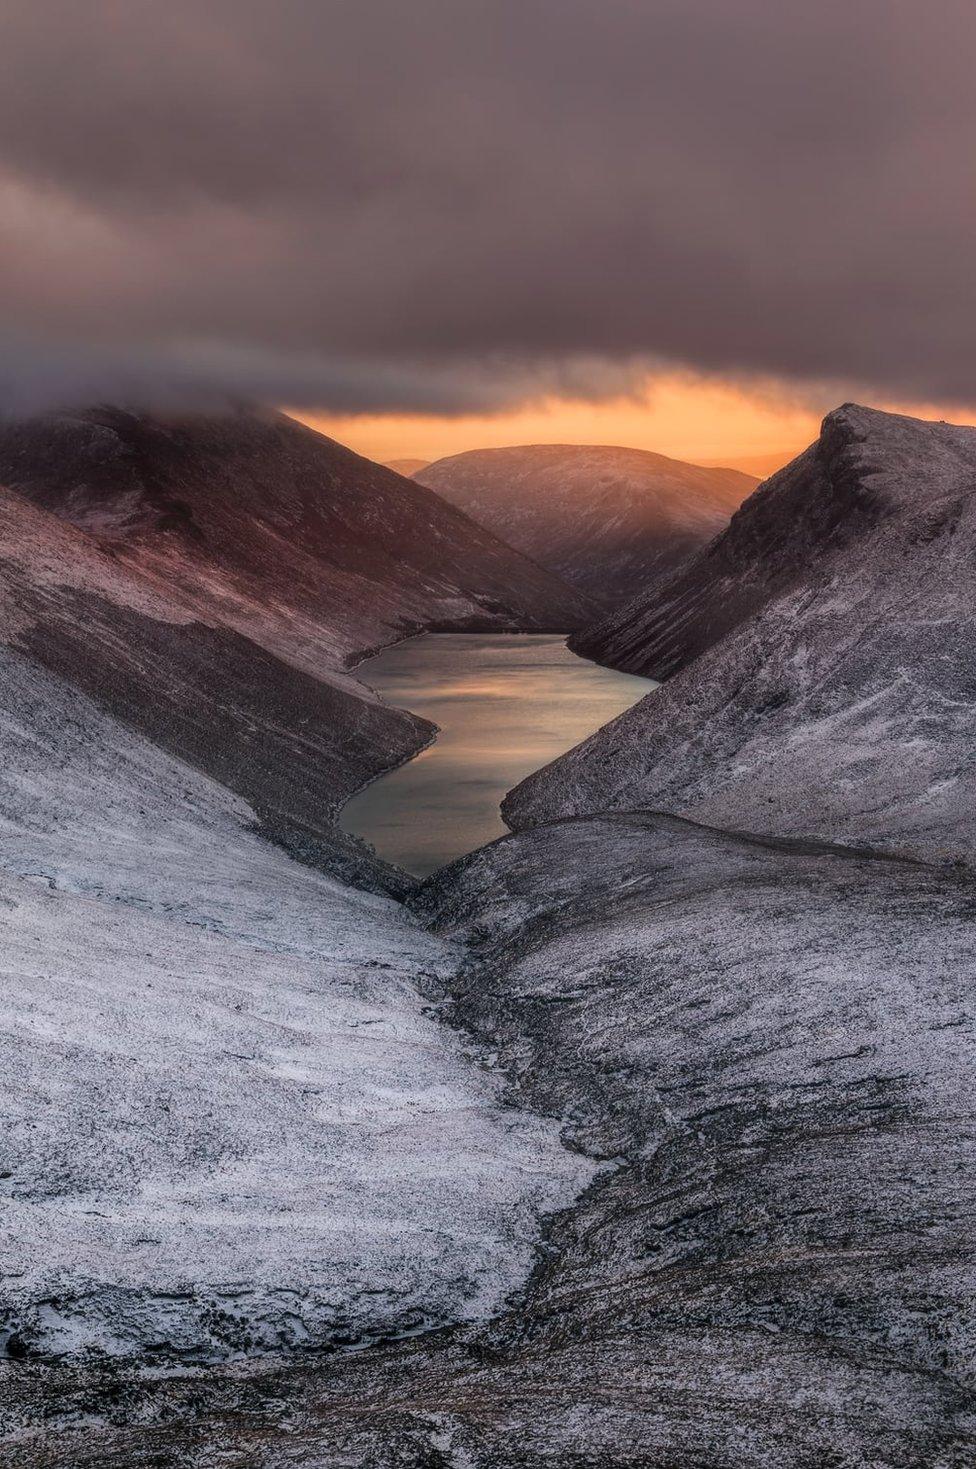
{"x": 824, "y": 645}
{"x": 231, "y": 1123}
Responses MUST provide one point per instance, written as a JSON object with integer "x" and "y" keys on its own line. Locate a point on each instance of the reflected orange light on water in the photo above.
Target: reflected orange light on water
{"x": 505, "y": 705}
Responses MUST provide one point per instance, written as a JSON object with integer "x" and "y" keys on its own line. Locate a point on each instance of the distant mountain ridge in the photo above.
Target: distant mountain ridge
{"x": 762, "y": 465}
{"x": 610, "y": 520}
{"x": 406, "y": 467}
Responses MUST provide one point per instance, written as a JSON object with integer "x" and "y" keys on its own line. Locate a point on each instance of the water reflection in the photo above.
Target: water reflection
{"x": 505, "y": 705}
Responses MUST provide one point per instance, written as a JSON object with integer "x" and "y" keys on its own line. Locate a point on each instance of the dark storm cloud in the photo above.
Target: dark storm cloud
{"x": 446, "y": 203}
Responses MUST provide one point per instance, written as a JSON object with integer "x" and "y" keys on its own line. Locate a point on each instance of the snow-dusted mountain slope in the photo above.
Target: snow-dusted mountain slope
{"x": 236, "y": 1123}
{"x": 293, "y": 540}
{"x": 772, "y": 1047}
{"x": 293, "y": 745}
{"x": 610, "y": 520}
{"x": 823, "y": 680}
{"x": 207, "y": 580}
{"x": 230, "y": 1123}
{"x": 781, "y": 1044}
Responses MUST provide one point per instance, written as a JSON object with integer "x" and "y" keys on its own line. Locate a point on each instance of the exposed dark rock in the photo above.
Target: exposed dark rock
{"x": 612, "y": 521}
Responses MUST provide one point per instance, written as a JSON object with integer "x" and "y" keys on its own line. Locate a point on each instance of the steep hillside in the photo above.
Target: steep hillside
{"x": 298, "y": 543}
{"x": 609, "y": 520}
{"x": 770, "y": 1047}
{"x": 294, "y": 746}
{"x": 206, "y": 580}
{"x": 821, "y": 657}
{"x": 230, "y": 1122}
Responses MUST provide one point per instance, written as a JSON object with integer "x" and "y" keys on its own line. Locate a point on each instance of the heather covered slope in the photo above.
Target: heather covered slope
{"x": 610, "y": 520}
{"x": 231, "y": 1124}
{"x": 821, "y": 658}
{"x": 777, "y": 1044}
{"x": 296, "y": 542}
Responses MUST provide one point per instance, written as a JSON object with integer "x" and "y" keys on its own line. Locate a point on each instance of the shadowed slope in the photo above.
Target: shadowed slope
{"x": 295, "y": 747}
{"x": 210, "y": 578}
{"x": 297, "y": 542}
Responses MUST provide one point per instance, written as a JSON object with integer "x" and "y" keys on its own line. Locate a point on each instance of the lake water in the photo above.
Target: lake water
{"x": 504, "y": 705}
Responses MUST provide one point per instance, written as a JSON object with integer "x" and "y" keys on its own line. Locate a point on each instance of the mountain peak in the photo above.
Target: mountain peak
{"x": 817, "y": 652}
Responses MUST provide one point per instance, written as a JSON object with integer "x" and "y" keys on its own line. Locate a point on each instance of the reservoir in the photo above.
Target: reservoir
{"x": 504, "y": 704}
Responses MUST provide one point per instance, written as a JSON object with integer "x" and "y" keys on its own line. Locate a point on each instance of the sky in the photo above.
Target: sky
{"x": 693, "y": 225}
{"x": 756, "y": 426}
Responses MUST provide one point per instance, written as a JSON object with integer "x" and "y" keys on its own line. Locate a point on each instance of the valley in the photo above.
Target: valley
{"x": 637, "y": 1136}
{"x": 487, "y": 735}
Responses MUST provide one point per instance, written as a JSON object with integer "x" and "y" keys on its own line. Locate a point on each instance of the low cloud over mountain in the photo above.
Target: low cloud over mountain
{"x": 444, "y": 207}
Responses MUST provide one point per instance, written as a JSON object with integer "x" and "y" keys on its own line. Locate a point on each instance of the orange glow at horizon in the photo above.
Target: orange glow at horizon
{"x": 696, "y": 419}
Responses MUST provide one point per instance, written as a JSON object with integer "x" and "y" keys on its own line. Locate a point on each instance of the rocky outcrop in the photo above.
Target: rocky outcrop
{"x": 819, "y": 654}
{"x": 612, "y": 521}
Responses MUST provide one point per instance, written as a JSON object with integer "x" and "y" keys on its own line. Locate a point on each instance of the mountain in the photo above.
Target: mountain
{"x": 209, "y": 579}
{"x": 407, "y": 466}
{"x": 626, "y": 1139}
{"x": 321, "y": 553}
{"x": 609, "y": 520}
{"x": 774, "y": 1043}
{"x": 818, "y": 655}
{"x": 232, "y": 1122}
{"x": 765, "y": 1047}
